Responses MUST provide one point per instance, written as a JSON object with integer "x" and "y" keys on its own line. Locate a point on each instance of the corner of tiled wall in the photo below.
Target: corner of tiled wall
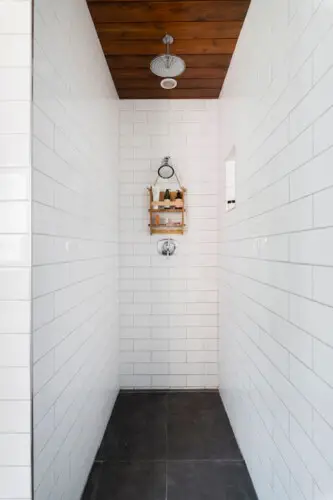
{"x": 15, "y": 263}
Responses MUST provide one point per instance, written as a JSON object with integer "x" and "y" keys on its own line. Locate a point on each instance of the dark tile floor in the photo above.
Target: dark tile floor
{"x": 169, "y": 446}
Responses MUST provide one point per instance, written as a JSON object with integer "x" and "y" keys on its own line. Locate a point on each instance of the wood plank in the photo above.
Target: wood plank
{"x": 172, "y": 94}
{"x": 185, "y": 83}
{"x": 179, "y": 30}
{"x": 197, "y": 46}
{"x": 192, "y": 61}
{"x": 127, "y": 73}
{"x": 134, "y": 11}
{"x": 119, "y": 1}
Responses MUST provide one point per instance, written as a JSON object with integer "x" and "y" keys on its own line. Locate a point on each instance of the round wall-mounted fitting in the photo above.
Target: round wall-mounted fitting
{"x": 169, "y": 83}
{"x": 167, "y": 247}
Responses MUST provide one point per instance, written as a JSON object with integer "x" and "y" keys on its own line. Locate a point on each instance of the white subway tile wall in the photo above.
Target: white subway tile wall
{"x": 276, "y": 264}
{"x": 75, "y": 247}
{"x": 169, "y": 307}
{"x": 15, "y": 255}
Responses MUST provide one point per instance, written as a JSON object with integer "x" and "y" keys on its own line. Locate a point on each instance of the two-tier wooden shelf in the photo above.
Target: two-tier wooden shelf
{"x": 167, "y": 210}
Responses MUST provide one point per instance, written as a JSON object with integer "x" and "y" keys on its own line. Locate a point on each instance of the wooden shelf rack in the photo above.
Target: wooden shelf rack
{"x": 174, "y": 226}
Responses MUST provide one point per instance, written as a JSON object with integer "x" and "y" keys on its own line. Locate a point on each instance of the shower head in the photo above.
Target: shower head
{"x": 167, "y": 65}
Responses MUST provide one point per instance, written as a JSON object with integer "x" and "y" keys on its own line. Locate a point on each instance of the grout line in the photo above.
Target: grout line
{"x": 167, "y": 391}
{"x": 166, "y": 480}
{"x": 167, "y": 445}
{"x": 174, "y": 460}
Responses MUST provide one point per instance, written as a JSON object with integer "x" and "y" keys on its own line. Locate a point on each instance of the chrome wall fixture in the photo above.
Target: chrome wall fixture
{"x": 167, "y": 247}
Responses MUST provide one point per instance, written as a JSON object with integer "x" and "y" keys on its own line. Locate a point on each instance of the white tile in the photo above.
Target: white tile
{"x": 151, "y": 105}
{"x": 322, "y": 207}
{"x": 322, "y": 285}
{"x": 15, "y": 50}
{"x": 15, "y": 83}
{"x": 202, "y": 356}
{"x": 43, "y": 310}
{"x": 322, "y": 361}
{"x": 15, "y": 17}
{"x": 15, "y": 482}
{"x": 151, "y": 368}
{"x": 150, "y": 345}
{"x": 323, "y": 437}
{"x": 43, "y": 432}
{"x": 43, "y": 188}
{"x": 321, "y": 136}
{"x": 14, "y": 284}
{"x": 14, "y": 250}
{"x": 14, "y": 184}
{"x": 313, "y": 388}
{"x": 322, "y": 56}
{"x": 318, "y": 495}
{"x": 202, "y": 332}
{"x": 15, "y": 450}
{"x": 312, "y": 247}
{"x": 168, "y": 381}
{"x": 168, "y": 357}
{"x": 315, "y": 463}
{"x": 15, "y": 383}
{"x": 43, "y": 371}
{"x": 14, "y": 217}
{"x": 14, "y": 150}
{"x": 135, "y": 357}
{"x": 298, "y": 470}
{"x": 15, "y": 417}
{"x": 15, "y": 317}
{"x": 14, "y": 117}
{"x": 313, "y": 105}
{"x": 311, "y": 317}
{"x": 312, "y": 177}
{"x": 43, "y": 127}
{"x": 14, "y": 350}
{"x": 198, "y": 381}
{"x": 131, "y": 381}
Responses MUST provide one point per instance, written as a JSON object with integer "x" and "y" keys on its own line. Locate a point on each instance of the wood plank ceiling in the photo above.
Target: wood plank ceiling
{"x": 205, "y": 33}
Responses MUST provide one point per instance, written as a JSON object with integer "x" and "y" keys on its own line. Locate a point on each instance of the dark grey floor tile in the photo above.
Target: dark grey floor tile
{"x": 132, "y": 481}
{"x": 185, "y": 403}
{"x": 198, "y": 429}
{"x": 208, "y": 481}
{"x": 191, "y": 429}
{"x": 137, "y": 429}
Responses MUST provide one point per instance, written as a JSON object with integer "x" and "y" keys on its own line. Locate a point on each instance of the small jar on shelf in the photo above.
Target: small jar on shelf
{"x": 179, "y": 200}
{"x": 167, "y": 199}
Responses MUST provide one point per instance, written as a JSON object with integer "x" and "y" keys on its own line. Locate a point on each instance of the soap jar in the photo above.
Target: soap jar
{"x": 179, "y": 200}
{"x": 156, "y": 196}
{"x": 167, "y": 199}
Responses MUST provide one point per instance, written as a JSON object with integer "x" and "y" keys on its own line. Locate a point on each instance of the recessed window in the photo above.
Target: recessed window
{"x": 230, "y": 181}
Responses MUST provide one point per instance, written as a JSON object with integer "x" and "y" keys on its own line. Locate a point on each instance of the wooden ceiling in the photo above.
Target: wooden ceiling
{"x": 205, "y": 33}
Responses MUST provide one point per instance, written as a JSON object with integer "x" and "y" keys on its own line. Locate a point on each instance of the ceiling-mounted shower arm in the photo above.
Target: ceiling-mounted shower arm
{"x": 168, "y": 40}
